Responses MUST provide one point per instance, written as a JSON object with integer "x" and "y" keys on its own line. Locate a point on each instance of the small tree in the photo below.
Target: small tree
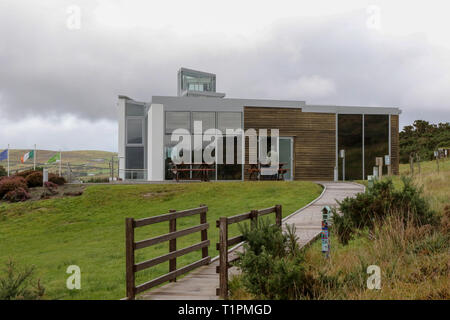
{"x": 18, "y": 284}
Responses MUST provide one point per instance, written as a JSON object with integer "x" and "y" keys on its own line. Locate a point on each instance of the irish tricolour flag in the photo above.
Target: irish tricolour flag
{"x": 26, "y": 156}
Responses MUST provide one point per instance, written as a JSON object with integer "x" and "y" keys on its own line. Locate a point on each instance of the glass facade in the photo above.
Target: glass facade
{"x": 210, "y": 120}
{"x": 178, "y": 120}
{"x": 134, "y": 163}
{"x": 197, "y": 82}
{"x": 376, "y": 141}
{"x": 230, "y": 171}
{"x": 135, "y": 151}
{"x": 350, "y": 139}
{"x": 134, "y": 110}
{"x": 135, "y": 128}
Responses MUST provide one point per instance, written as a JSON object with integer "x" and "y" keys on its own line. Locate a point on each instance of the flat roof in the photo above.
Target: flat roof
{"x": 174, "y": 103}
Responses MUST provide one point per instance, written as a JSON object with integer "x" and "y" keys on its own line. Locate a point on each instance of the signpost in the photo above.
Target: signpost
{"x": 342, "y": 155}
{"x": 379, "y": 162}
{"x": 326, "y": 215}
{"x": 436, "y": 154}
{"x": 370, "y": 181}
{"x": 44, "y": 176}
{"x": 375, "y": 172}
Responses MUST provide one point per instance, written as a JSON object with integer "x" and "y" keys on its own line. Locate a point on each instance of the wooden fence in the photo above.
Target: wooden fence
{"x": 225, "y": 242}
{"x": 131, "y": 246}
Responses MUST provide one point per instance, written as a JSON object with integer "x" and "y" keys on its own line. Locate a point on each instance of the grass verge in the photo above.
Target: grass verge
{"x": 88, "y": 231}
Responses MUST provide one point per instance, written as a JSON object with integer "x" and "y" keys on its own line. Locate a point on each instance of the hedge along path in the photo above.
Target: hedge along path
{"x": 201, "y": 284}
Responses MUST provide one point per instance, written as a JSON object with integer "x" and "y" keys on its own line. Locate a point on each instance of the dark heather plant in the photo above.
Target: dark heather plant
{"x": 56, "y": 179}
{"x": 11, "y": 183}
{"x": 272, "y": 265}
{"x": 18, "y": 284}
{"x": 378, "y": 202}
{"x": 34, "y": 179}
{"x": 25, "y": 173}
{"x": 17, "y": 195}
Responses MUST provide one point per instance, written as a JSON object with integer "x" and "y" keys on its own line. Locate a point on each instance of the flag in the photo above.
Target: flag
{"x": 26, "y": 156}
{"x": 55, "y": 158}
{"x": 4, "y": 155}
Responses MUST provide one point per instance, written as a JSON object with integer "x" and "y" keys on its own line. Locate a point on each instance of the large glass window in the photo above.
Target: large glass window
{"x": 134, "y": 163}
{"x": 229, "y": 120}
{"x": 177, "y": 120}
{"x": 229, "y": 171}
{"x": 208, "y": 120}
{"x": 376, "y": 141}
{"x": 350, "y": 140}
{"x": 135, "y": 131}
{"x": 198, "y": 83}
{"x": 134, "y": 110}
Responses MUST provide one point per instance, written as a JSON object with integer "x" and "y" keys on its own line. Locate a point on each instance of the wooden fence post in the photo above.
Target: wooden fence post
{"x": 129, "y": 252}
{"x": 278, "y": 214}
{"x": 204, "y": 233}
{"x": 173, "y": 245}
{"x": 253, "y": 218}
{"x": 223, "y": 258}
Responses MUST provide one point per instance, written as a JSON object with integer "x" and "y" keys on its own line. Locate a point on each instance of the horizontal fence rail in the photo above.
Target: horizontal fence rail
{"x": 225, "y": 242}
{"x": 131, "y": 246}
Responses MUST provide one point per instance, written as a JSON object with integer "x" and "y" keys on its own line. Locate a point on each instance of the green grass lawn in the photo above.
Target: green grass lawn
{"x": 88, "y": 231}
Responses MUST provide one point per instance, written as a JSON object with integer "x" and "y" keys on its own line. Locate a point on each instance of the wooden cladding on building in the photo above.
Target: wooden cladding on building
{"x": 395, "y": 146}
{"x": 314, "y": 138}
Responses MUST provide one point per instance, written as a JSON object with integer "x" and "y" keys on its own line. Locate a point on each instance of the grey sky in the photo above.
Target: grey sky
{"x": 58, "y": 87}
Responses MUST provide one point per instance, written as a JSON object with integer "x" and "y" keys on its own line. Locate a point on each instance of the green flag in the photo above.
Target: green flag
{"x": 53, "y": 159}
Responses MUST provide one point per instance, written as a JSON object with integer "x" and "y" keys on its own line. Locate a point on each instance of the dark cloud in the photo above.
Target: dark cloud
{"x": 48, "y": 70}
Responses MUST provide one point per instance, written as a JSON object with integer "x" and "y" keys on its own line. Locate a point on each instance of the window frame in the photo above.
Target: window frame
{"x": 142, "y": 119}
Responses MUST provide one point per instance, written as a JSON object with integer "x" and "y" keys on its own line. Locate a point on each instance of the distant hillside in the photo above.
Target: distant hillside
{"x": 92, "y": 158}
{"x": 424, "y": 138}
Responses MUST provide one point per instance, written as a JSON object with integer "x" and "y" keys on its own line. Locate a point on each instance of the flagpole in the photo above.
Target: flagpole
{"x": 8, "y": 159}
{"x": 34, "y": 158}
{"x": 60, "y": 160}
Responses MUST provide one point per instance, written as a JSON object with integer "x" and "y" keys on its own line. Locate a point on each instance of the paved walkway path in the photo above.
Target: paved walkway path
{"x": 201, "y": 283}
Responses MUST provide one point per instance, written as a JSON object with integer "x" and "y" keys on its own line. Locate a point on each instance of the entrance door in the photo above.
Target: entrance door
{"x": 286, "y": 155}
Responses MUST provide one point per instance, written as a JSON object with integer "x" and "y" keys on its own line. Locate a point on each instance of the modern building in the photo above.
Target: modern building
{"x": 310, "y": 136}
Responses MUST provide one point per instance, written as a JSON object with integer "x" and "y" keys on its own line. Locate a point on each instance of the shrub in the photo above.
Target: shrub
{"x": 3, "y": 172}
{"x": 17, "y": 195}
{"x": 34, "y": 179}
{"x": 25, "y": 173}
{"x": 272, "y": 265}
{"x": 18, "y": 284}
{"x": 378, "y": 202}
{"x": 50, "y": 190}
{"x": 11, "y": 183}
{"x": 56, "y": 179}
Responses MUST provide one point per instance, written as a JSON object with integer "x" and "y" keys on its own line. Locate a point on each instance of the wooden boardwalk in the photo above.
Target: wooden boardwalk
{"x": 201, "y": 283}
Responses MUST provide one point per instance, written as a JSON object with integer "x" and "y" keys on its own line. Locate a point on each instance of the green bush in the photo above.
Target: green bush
{"x": 379, "y": 201}
{"x": 272, "y": 264}
{"x": 34, "y": 179}
{"x": 18, "y": 284}
{"x": 11, "y": 183}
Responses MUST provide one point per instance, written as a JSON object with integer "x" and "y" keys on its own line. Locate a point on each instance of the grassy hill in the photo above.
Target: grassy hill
{"x": 414, "y": 261}
{"x": 88, "y": 230}
{"x": 81, "y": 162}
